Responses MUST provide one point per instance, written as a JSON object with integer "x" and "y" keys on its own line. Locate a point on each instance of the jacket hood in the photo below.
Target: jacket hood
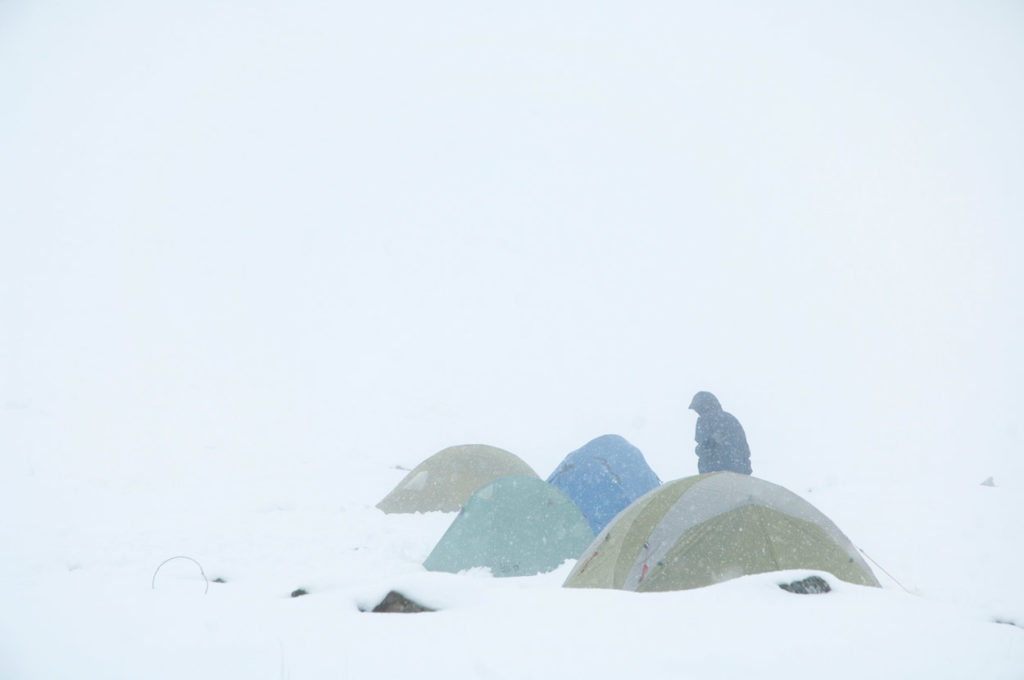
{"x": 705, "y": 402}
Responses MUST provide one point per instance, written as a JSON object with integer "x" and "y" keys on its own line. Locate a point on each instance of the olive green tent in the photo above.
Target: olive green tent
{"x": 702, "y": 530}
{"x": 446, "y": 480}
{"x": 516, "y": 526}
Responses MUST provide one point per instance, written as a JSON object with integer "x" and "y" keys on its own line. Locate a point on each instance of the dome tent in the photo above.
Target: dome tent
{"x": 703, "y": 530}
{"x": 516, "y": 526}
{"x": 604, "y": 476}
{"x": 446, "y": 480}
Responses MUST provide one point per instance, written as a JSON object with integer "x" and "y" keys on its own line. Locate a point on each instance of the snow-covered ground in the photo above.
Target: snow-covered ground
{"x": 258, "y": 257}
{"x": 80, "y": 598}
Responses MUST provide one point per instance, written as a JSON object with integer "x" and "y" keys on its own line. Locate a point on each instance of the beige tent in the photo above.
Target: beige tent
{"x": 446, "y": 480}
{"x": 702, "y": 530}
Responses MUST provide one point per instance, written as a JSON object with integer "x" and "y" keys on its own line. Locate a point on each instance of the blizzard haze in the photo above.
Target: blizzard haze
{"x": 252, "y": 234}
{"x": 258, "y": 257}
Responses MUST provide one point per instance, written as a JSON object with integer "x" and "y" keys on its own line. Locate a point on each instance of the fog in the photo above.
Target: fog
{"x": 265, "y": 237}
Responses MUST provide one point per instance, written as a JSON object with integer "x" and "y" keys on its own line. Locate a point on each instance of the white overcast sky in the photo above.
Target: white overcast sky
{"x": 259, "y": 234}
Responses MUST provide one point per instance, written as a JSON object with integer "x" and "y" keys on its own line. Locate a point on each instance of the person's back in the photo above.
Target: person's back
{"x": 721, "y": 442}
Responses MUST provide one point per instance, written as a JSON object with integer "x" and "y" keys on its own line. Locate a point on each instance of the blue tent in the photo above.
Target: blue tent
{"x": 603, "y": 477}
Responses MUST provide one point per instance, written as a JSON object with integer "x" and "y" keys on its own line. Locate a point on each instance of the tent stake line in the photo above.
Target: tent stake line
{"x": 884, "y": 570}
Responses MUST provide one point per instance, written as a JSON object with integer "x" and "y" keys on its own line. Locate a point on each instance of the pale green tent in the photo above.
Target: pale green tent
{"x": 702, "y": 530}
{"x": 446, "y": 480}
{"x": 516, "y": 526}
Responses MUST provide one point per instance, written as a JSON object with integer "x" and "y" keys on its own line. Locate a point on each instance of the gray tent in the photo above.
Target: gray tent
{"x": 707, "y": 529}
{"x": 445, "y": 481}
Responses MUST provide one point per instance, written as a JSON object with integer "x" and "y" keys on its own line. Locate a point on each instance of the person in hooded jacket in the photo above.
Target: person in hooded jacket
{"x": 721, "y": 442}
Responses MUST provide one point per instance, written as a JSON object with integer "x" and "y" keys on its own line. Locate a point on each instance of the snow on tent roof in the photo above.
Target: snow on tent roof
{"x": 515, "y": 526}
{"x": 604, "y": 476}
{"x": 446, "y": 480}
{"x": 702, "y": 530}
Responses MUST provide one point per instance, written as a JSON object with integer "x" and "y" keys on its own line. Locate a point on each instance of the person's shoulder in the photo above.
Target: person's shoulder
{"x": 733, "y": 420}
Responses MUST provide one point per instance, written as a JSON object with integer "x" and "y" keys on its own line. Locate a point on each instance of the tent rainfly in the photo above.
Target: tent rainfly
{"x": 515, "y": 526}
{"x": 603, "y": 477}
{"x": 703, "y": 530}
{"x": 443, "y": 482}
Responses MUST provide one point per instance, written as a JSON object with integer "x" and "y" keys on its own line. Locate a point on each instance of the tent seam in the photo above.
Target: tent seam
{"x": 768, "y": 538}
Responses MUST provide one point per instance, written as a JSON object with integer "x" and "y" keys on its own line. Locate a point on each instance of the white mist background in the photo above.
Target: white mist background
{"x": 297, "y": 240}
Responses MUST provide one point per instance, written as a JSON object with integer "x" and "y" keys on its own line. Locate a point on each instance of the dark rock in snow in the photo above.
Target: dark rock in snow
{"x": 812, "y": 585}
{"x": 396, "y": 603}
{"x": 299, "y": 592}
